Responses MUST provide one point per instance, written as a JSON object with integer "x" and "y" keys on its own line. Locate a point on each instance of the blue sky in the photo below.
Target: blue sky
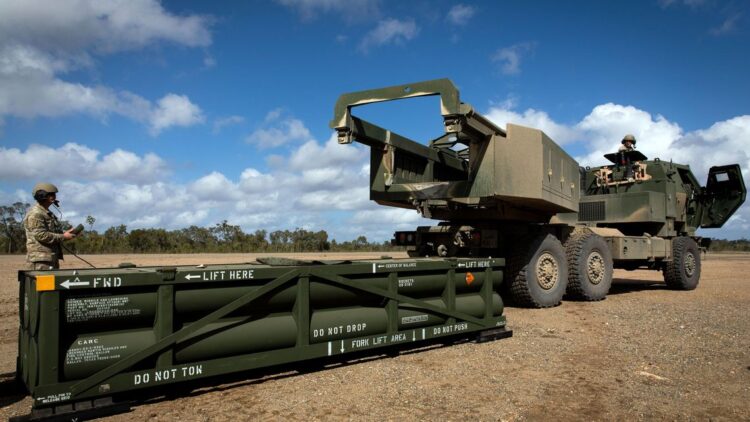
{"x": 167, "y": 114}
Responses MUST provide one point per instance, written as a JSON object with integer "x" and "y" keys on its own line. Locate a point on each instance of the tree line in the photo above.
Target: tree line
{"x": 720, "y": 245}
{"x": 222, "y": 237}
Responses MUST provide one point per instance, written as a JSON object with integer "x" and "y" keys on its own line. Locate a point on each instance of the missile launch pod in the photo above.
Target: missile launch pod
{"x": 91, "y": 334}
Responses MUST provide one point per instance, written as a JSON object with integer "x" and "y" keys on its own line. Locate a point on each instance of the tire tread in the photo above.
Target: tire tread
{"x": 574, "y": 249}
{"x": 673, "y": 274}
{"x": 518, "y": 267}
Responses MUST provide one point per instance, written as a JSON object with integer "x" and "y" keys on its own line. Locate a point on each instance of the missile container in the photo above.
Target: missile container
{"x": 93, "y": 333}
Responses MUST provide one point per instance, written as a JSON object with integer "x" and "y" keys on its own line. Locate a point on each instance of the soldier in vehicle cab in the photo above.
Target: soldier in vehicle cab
{"x": 627, "y": 144}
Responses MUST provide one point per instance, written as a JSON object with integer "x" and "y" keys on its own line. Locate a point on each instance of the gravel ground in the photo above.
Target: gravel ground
{"x": 643, "y": 353}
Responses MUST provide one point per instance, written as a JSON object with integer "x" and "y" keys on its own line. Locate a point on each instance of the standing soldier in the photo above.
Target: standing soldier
{"x": 43, "y": 234}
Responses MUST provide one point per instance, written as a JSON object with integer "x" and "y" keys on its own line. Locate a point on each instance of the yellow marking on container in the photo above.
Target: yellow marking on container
{"x": 45, "y": 282}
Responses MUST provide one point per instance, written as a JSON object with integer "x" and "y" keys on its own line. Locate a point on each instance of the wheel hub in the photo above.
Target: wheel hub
{"x": 689, "y": 264}
{"x": 547, "y": 271}
{"x": 595, "y": 267}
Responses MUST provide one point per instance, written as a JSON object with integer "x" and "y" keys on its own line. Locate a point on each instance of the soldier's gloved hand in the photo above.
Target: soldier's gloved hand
{"x": 69, "y": 234}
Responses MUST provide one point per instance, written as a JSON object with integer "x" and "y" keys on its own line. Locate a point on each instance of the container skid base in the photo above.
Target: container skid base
{"x": 86, "y": 335}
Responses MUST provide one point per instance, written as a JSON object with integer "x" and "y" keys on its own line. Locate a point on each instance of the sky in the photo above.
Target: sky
{"x": 177, "y": 113}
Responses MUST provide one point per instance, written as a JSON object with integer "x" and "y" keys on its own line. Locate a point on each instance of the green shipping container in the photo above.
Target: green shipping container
{"x": 87, "y": 334}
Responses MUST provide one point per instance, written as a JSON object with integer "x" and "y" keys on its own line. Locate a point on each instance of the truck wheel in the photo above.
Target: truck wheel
{"x": 589, "y": 266}
{"x": 538, "y": 273}
{"x": 684, "y": 271}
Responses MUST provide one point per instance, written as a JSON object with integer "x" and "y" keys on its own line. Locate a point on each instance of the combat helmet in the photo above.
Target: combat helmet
{"x": 627, "y": 138}
{"x": 42, "y": 189}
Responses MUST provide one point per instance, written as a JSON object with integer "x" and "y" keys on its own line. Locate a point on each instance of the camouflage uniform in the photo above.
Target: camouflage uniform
{"x": 43, "y": 239}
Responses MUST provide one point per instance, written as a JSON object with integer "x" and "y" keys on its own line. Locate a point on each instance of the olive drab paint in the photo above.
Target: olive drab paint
{"x": 514, "y": 174}
{"x": 80, "y": 339}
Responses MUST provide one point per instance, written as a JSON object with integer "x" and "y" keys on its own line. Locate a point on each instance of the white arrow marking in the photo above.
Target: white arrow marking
{"x": 67, "y": 283}
{"x": 342, "y": 346}
{"x": 461, "y": 264}
{"x": 192, "y": 276}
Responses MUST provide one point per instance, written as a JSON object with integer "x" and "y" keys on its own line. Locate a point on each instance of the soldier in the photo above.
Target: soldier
{"x": 628, "y": 143}
{"x": 43, "y": 234}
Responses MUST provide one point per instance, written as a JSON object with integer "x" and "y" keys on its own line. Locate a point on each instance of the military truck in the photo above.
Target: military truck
{"x": 514, "y": 193}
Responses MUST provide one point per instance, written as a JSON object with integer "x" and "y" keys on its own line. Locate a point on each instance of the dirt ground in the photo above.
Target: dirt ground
{"x": 643, "y": 353}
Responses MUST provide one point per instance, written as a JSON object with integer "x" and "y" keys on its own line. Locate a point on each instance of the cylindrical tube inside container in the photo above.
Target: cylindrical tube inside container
{"x": 474, "y": 305}
{"x": 237, "y": 336}
{"x": 412, "y": 316}
{"x": 337, "y": 324}
{"x": 203, "y": 300}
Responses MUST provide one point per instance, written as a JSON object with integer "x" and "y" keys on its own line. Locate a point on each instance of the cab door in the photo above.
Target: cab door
{"x": 722, "y": 196}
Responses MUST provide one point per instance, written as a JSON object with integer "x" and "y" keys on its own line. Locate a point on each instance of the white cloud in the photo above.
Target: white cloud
{"x": 532, "y": 118}
{"x": 209, "y": 61}
{"x": 190, "y": 218}
{"x": 78, "y": 161}
{"x": 319, "y": 193}
{"x": 389, "y": 31}
{"x": 690, "y": 3}
{"x": 379, "y": 223}
{"x": 510, "y": 58}
{"x": 114, "y": 202}
{"x": 324, "y": 176}
{"x": 76, "y": 26}
{"x": 278, "y": 130}
{"x": 253, "y": 181}
{"x": 460, "y": 14}
{"x": 608, "y": 123}
{"x": 174, "y": 110}
{"x": 339, "y": 199}
{"x": 349, "y": 10}
{"x": 312, "y": 155}
{"x": 29, "y": 88}
{"x": 223, "y": 122}
{"x": 215, "y": 187}
{"x": 728, "y": 26}
{"x": 124, "y": 188}
{"x": 724, "y": 142}
{"x": 41, "y": 41}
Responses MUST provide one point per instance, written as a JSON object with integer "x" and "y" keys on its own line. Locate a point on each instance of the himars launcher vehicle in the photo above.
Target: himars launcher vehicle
{"x": 514, "y": 193}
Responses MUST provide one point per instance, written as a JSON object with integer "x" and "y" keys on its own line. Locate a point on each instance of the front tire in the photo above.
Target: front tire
{"x": 589, "y": 266}
{"x": 684, "y": 271}
{"x": 538, "y": 273}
